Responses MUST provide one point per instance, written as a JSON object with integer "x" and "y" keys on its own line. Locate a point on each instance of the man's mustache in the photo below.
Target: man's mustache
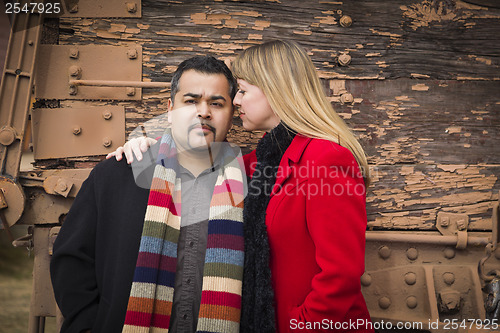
{"x": 193, "y": 126}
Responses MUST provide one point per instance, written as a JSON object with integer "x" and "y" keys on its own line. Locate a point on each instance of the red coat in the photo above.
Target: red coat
{"x": 316, "y": 222}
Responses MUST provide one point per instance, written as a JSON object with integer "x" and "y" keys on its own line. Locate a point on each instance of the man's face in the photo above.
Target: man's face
{"x": 202, "y": 110}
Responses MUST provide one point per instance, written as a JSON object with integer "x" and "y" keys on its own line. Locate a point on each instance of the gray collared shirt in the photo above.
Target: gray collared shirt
{"x": 196, "y": 194}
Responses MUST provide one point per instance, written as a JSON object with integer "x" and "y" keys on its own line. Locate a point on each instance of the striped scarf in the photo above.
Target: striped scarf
{"x": 151, "y": 296}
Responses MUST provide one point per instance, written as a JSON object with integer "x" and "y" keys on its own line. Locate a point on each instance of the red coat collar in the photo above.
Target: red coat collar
{"x": 292, "y": 155}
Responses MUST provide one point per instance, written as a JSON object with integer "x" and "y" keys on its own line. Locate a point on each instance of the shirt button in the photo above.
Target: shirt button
{"x": 193, "y": 210}
{"x": 185, "y": 317}
{"x": 188, "y": 281}
{"x": 191, "y": 244}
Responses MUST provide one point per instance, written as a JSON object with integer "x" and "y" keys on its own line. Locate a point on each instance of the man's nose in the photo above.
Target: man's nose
{"x": 203, "y": 110}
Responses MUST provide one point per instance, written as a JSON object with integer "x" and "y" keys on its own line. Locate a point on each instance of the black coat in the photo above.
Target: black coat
{"x": 96, "y": 250}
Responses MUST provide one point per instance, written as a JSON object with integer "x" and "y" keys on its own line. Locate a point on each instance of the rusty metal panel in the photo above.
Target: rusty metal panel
{"x": 96, "y": 8}
{"x": 58, "y": 64}
{"x": 77, "y": 131}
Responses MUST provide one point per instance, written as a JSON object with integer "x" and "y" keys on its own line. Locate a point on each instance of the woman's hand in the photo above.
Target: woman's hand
{"x": 136, "y": 147}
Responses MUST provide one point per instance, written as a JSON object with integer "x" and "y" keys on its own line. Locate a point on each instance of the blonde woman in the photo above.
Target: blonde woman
{"x": 304, "y": 214}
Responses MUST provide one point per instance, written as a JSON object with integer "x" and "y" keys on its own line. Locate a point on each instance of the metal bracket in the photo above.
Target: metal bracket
{"x": 60, "y": 64}
{"x": 75, "y": 132}
{"x": 454, "y": 224}
{"x": 98, "y": 8}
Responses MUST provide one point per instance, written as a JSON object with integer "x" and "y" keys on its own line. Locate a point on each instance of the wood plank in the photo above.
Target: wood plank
{"x": 387, "y": 39}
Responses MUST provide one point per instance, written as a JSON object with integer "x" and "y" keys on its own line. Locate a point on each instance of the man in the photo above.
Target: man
{"x": 130, "y": 258}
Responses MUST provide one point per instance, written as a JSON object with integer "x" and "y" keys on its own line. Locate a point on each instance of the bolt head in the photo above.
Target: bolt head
{"x": 344, "y": 59}
{"x": 106, "y": 142}
{"x": 384, "y": 252}
{"x": 449, "y": 278}
{"x": 77, "y": 130}
{"x": 73, "y": 53}
{"x": 366, "y": 279}
{"x": 346, "y": 98}
{"x": 412, "y": 253}
{"x": 107, "y": 115}
{"x": 345, "y": 21}
{"x": 73, "y": 89}
{"x": 131, "y": 7}
{"x": 449, "y": 253}
{"x": 7, "y": 135}
{"x": 410, "y": 278}
{"x": 411, "y": 302}
{"x": 130, "y": 91}
{"x": 132, "y": 54}
{"x": 384, "y": 302}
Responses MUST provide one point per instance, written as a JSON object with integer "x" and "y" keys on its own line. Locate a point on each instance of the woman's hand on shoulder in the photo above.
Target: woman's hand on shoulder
{"x": 135, "y": 146}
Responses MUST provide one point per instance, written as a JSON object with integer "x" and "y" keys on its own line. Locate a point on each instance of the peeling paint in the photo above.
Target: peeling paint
{"x": 420, "y": 87}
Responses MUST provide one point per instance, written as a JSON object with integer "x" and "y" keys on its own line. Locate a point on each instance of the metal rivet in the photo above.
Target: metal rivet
{"x": 61, "y": 186}
{"x": 73, "y": 89}
{"x": 384, "y": 252}
{"x": 73, "y": 53}
{"x": 344, "y": 59}
{"x": 131, "y": 7}
{"x": 412, "y": 253}
{"x": 411, "y": 301}
{"x": 107, "y": 115}
{"x": 445, "y": 221}
{"x": 410, "y": 278}
{"x": 346, "y": 98}
{"x": 449, "y": 253}
{"x": 132, "y": 54}
{"x": 366, "y": 279}
{"x": 345, "y": 21}
{"x": 130, "y": 91}
{"x": 106, "y": 142}
{"x": 18, "y": 71}
{"x": 30, "y": 43}
{"x": 384, "y": 302}
{"x": 73, "y": 8}
{"x": 75, "y": 71}
{"x": 7, "y": 135}
{"x": 77, "y": 130}
{"x": 449, "y": 278}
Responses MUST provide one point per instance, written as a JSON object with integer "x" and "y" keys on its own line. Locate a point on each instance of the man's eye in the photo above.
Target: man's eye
{"x": 217, "y": 104}
{"x": 241, "y": 91}
{"x": 190, "y": 101}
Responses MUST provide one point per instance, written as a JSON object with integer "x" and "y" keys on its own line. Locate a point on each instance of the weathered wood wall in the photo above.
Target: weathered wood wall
{"x": 424, "y": 76}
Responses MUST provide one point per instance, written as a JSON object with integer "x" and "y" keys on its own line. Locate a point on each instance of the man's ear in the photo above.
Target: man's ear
{"x": 169, "y": 110}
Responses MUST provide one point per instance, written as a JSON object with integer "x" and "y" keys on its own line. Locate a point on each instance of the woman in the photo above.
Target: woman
{"x": 304, "y": 215}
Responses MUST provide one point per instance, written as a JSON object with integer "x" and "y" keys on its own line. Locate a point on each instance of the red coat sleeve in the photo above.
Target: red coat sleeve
{"x": 336, "y": 220}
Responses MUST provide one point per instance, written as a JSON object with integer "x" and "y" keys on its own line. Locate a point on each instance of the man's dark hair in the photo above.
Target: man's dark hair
{"x": 205, "y": 65}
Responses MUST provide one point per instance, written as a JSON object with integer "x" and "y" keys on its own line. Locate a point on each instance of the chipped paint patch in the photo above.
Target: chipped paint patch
{"x": 305, "y": 32}
{"x": 420, "y": 87}
{"x": 385, "y": 33}
{"x": 375, "y": 54}
{"x": 177, "y": 34}
{"x": 427, "y": 12}
{"x": 453, "y": 129}
{"x": 480, "y": 59}
{"x": 419, "y": 76}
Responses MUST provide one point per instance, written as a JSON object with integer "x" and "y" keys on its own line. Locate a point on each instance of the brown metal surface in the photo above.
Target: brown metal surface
{"x": 14, "y": 199}
{"x": 97, "y": 8}
{"x": 58, "y": 64}
{"x": 15, "y": 89}
{"x": 50, "y": 180}
{"x": 84, "y": 131}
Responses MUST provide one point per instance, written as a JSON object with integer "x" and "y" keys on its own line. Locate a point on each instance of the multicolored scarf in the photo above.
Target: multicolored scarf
{"x": 151, "y": 296}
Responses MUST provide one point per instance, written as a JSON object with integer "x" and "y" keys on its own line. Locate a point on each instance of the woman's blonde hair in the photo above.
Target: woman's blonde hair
{"x": 288, "y": 78}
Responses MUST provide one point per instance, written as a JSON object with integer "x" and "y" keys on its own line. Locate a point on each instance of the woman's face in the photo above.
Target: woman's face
{"x": 255, "y": 111}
